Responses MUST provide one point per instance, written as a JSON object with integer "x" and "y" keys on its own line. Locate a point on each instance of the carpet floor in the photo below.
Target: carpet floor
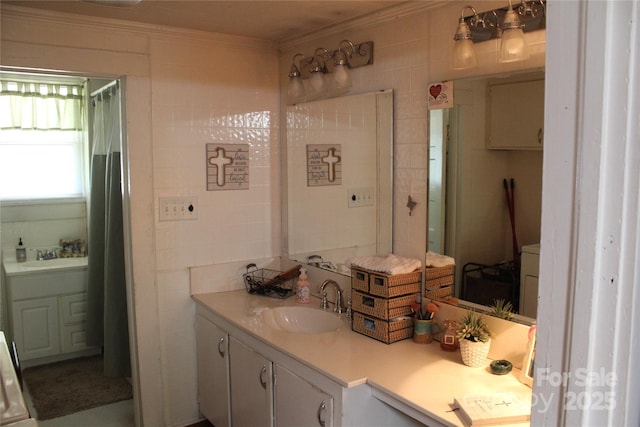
{"x": 74, "y": 385}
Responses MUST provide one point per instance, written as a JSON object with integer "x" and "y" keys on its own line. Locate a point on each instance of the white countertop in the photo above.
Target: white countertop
{"x": 14, "y": 268}
{"x": 418, "y": 378}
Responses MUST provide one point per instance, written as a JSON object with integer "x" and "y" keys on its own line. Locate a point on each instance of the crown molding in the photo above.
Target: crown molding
{"x": 393, "y": 12}
{"x": 109, "y": 24}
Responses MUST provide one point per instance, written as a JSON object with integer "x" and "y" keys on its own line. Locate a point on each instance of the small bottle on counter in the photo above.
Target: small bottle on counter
{"x": 303, "y": 287}
{"x": 21, "y": 252}
{"x": 449, "y": 342}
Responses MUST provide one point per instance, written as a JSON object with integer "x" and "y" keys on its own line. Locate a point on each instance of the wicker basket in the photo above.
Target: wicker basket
{"x": 390, "y": 286}
{"x": 439, "y": 293}
{"x": 438, "y": 282}
{"x": 435, "y": 272}
{"x": 360, "y": 279}
{"x": 382, "y": 330}
{"x": 382, "y": 308}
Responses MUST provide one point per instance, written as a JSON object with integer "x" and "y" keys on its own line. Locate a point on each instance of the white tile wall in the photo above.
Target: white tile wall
{"x": 409, "y": 53}
{"x": 184, "y": 92}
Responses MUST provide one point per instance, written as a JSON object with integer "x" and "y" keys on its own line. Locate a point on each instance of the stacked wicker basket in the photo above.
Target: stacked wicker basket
{"x": 439, "y": 282}
{"x": 381, "y": 303}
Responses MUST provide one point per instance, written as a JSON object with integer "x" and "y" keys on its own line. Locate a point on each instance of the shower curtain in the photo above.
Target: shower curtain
{"x": 107, "y": 324}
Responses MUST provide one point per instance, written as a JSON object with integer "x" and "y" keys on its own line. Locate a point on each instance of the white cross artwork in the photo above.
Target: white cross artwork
{"x": 331, "y": 159}
{"x": 324, "y": 164}
{"x": 227, "y": 166}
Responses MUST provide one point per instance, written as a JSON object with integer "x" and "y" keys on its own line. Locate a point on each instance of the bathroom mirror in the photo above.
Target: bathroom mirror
{"x": 339, "y": 179}
{"x": 473, "y": 149}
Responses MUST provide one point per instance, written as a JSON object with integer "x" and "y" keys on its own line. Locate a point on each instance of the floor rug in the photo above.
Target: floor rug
{"x": 71, "y": 386}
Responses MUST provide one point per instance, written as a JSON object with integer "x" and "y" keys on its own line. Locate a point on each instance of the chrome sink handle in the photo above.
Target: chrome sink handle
{"x": 339, "y": 307}
{"x": 324, "y": 304}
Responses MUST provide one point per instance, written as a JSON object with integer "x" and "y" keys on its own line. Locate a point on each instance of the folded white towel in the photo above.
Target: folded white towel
{"x": 389, "y": 264}
{"x": 434, "y": 259}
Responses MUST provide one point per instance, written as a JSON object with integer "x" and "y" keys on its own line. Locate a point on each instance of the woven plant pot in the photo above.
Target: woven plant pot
{"x": 473, "y": 353}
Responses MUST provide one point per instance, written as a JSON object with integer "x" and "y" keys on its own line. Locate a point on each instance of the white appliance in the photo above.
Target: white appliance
{"x": 13, "y": 410}
{"x": 529, "y": 271}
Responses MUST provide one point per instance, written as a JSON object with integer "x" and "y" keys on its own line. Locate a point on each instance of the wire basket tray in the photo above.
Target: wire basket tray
{"x": 271, "y": 283}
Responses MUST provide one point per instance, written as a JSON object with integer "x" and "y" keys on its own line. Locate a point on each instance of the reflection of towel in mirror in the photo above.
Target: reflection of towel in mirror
{"x": 389, "y": 264}
{"x": 436, "y": 260}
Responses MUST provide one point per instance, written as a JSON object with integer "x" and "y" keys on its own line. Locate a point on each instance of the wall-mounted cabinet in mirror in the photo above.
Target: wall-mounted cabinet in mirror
{"x": 339, "y": 157}
{"x": 469, "y": 214}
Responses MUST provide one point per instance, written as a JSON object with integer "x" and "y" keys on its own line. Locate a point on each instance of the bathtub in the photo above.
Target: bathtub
{"x": 12, "y": 406}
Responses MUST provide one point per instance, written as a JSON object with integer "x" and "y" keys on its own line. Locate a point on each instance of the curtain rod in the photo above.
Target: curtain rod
{"x": 105, "y": 87}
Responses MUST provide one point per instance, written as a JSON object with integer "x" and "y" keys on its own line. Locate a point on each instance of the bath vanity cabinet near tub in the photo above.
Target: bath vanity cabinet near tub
{"x": 47, "y": 308}
{"x": 253, "y": 370}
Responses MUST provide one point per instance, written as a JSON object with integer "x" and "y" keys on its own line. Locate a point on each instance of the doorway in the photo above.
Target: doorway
{"x": 80, "y": 227}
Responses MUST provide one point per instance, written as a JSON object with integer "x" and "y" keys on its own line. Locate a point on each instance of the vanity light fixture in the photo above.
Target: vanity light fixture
{"x": 513, "y": 46}
{"x": 318, "y": 69}
{"x": 464, "y": 53}
{"x": 323, "y": 62}
{"x": 507, "y": 24}
{"x": 342, "y": 76}
{"x": 295, "y": 91}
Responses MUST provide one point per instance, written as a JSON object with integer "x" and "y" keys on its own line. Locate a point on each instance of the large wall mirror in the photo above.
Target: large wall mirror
{"x": 339, "y": 179}
{"x": 491, "y": 137}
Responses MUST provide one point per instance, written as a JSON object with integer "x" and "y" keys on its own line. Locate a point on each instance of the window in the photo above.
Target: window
{"x": 41, "y": 141}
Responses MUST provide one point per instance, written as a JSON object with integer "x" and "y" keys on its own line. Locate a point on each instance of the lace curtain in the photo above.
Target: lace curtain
{"x": 40, "y": 106}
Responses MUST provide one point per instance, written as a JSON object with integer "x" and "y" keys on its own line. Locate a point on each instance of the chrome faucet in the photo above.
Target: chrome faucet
{"x": 339, "y": 306}
{"x": 46, "y": 254}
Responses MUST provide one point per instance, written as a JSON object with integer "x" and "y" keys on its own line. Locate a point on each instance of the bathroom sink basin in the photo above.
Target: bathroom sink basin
{"x": 55, "y": 263}
{"x": 301, "y": 319}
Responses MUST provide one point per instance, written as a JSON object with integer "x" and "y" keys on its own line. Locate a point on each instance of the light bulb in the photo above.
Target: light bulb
{"x": 513, "y": 46}
{"x": 341, "y": 76}
{"x": 295, "y": 91}
{"x": 317, "y": 82}
{"x": 464, "y": 53}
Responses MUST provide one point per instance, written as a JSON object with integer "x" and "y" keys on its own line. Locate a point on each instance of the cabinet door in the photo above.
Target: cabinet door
{"x": 251, "y": 386}
{"x": 515, "y": 115}
{"x": 35, "y": 327}
{"x": 213, "y": 372}
{"x": 529, "y": 296}
{"x": 298, "y": 403}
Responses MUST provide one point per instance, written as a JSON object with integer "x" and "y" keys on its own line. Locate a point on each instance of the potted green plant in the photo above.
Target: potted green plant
{"x": 502, "y": 309}
{"x": 475, "y": 338}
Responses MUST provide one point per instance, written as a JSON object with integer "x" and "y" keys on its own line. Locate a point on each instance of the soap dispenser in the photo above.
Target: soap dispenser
{"x": 21, "y": 252}
{"x": 303, "y": 287}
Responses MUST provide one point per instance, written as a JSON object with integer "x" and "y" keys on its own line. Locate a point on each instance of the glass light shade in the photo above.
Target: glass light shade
{"x": 317, "y": 82}
{"x": 513, "y": 46}
{"x": 464, "y": 54}
{"x": 295, "y": 91}
{"x": 341, "y": 76}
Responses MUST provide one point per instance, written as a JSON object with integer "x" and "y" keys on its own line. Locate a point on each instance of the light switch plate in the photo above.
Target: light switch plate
{"x": 178, "y": 208}
{"x": 359, "y": 197}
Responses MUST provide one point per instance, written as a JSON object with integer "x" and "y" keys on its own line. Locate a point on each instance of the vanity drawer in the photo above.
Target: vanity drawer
{"x": 382, "y": 330}
{"x": 382, "y": 308}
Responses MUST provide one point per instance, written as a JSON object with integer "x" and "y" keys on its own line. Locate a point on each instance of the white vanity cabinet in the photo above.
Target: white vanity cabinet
{"x": 213, "y": 372}
{"x": 515, "y": 125}
{"x": 35, "y": 327}
{"x": 251, "y": 386}
{"x": 316, "y": 404}
{"x": 239, "y": 386}
{"x": 47, "y": 312}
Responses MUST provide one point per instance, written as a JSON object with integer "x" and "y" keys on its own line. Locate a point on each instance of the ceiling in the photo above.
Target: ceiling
{"x": 264, "y": 19}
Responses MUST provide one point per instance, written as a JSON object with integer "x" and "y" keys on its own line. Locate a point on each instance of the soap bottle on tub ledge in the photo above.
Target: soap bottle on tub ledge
{"x": 303, "y": 287}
